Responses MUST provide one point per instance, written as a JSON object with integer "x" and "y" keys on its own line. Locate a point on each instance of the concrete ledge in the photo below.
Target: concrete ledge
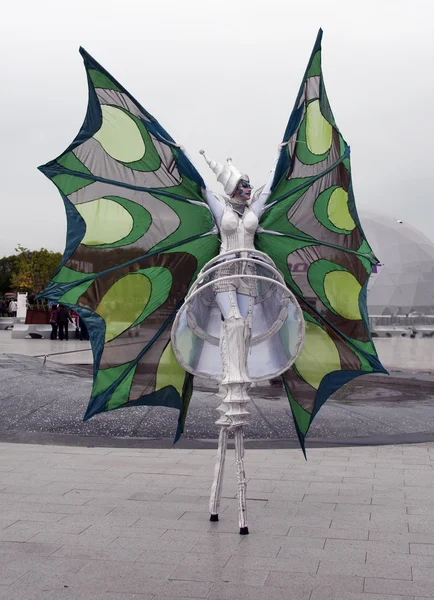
{"x": 21, "y": 331}
{"x": 6, "y": 322}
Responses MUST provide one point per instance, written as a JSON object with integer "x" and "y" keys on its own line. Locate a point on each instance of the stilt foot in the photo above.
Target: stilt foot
{"x": 214, "y": 518}
{"x": 244, "y": 531}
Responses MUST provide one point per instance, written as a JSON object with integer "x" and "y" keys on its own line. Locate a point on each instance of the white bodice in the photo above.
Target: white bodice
{"x": 237, "y": 231}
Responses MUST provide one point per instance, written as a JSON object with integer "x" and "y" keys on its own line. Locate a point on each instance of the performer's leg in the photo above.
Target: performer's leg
{"x": 241, "y": 480}
{"x": 244, "y": 304}
{"x": 217, "y": 486}
{"x": 228, "y": 304}
{"x": 235, "y": 336}
{"x": 236, "y": 333}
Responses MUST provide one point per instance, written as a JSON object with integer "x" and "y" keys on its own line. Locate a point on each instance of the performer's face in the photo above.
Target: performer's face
{"x": 244, "y": 190}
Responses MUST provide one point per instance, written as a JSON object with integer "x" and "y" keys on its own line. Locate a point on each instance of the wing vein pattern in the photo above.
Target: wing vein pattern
{"x": 138, "y": 232}
{"x": 310, "y": 228}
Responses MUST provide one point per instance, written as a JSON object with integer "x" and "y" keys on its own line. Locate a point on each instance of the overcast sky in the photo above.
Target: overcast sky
{"x": 221, "y": 75}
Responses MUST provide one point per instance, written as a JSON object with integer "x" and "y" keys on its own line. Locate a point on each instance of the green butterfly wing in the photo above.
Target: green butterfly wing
{"x": 138, "y": 232}
{"x": 311, "y": 230}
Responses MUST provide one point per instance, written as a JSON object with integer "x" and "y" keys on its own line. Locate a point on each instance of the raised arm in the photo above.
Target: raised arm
{"x": 258, "y": 205}
{"x": 216, "y": 206}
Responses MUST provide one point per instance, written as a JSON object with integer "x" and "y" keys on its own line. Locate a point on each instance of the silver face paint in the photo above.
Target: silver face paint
{"x": 244, "y": 190}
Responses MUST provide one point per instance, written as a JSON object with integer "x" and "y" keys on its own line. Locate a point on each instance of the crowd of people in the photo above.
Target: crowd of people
{"x": 60, "y": 317}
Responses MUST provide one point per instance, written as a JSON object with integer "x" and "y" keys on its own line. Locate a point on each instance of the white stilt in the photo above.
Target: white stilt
{"x": 241, "y": 480}
{"x": 217, "y": 486}
{"x": 233, "y": 412}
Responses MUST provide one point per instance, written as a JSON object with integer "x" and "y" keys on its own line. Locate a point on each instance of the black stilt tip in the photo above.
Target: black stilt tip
{"x": 214, "y": 518}
{"x": 244, "y": 531}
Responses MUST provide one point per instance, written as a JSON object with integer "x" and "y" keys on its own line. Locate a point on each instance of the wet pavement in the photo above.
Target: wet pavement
{"x": 46, "y": 403}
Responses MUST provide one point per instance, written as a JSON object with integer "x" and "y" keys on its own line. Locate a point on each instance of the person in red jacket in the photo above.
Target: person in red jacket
{"x": 54, "y": 311}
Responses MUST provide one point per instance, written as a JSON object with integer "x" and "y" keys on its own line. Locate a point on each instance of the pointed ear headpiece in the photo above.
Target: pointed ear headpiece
{"x": 228, "y": 175}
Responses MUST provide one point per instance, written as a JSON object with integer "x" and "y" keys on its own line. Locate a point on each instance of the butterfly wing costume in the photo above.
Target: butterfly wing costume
{"x": 310, "y": 228}
{"x": 139, "y": 231}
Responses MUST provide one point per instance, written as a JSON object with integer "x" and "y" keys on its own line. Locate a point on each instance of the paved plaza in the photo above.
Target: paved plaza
{"x": 121, "y": 524}
{"x": 124, "y": 523}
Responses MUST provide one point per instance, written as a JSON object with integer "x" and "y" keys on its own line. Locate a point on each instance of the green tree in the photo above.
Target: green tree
{"x": 33, "y": 269}
{"x": 7, "y": 266}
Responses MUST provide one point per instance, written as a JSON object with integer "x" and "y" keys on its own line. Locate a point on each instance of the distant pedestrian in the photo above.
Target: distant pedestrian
{"x": 63, "y": 317}
{"x": 53, "y": 321}
{"x": 12, "y": 308}
{"x": 2, "y": 308}
{"x": 84, "y": 334}
{"x": 75, "y": 320}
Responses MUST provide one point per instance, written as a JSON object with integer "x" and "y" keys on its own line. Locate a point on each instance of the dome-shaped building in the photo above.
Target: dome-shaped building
{"x": 404, "y": 281}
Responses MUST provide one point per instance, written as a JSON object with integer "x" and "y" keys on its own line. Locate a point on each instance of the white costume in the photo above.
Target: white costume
{"x": 237, "y": 222}
{"x": 239, "y": 322}
{"x": 237, "y": 231}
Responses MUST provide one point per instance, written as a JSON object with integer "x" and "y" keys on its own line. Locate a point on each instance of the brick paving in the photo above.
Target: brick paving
{"x": 121, "y": 524}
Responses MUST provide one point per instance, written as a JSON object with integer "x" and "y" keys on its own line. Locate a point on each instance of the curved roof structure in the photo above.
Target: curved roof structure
{"x": 404, "y": 279}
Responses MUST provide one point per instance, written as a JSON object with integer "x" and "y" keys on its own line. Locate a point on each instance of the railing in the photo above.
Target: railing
{"x": 402, "y": 324}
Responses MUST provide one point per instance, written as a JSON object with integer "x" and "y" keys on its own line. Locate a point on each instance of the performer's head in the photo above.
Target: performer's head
{"x": 243, "y": 190}
{"x": 237, "y": 186}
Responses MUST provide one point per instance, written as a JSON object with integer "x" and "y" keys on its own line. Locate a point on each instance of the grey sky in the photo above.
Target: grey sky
{"x": 221, "y": 75}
